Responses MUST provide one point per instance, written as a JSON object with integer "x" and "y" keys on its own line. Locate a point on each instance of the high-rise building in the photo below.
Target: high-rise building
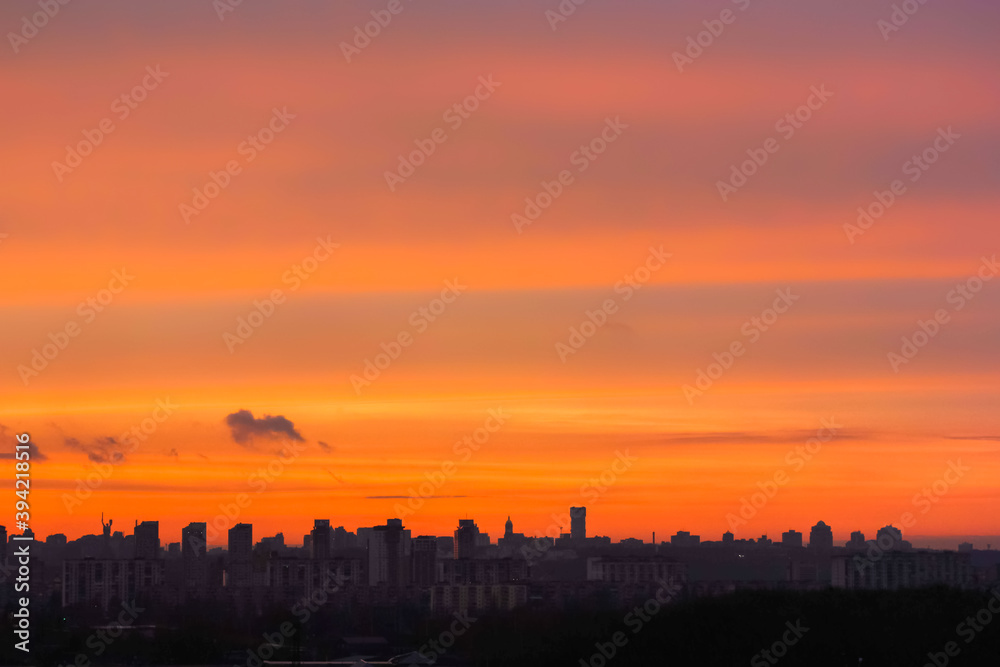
{"x": 344, "y": 539}
{"x": 194, "y": 540}
{"x": 238, "y": 573}
{"x": 274, "y": 544}
{"x": 147, "y": 540}
{"x": 821, "y": 537}
{"x": 3, "y": 545}
{"x": 321, "y": 537}
{"x": 193, "y": 544}
{"x": 857, "y": 541}
{"x": 55, "y": 540}
{"x": 578, "y": 523}
{"x": 425, "y": 560}
{"x": 508, "y": 530}
{"x": 388, "y": 553}
{"x": 791, "y": 538}
{"x": 466, "y": 536}
{"x": 685, "y": 539}
{"x": 895, "y": 569}
{"x": 890, "y": 538}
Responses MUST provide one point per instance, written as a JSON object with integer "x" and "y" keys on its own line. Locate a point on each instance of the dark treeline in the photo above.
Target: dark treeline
{"x": 831, "y": 627}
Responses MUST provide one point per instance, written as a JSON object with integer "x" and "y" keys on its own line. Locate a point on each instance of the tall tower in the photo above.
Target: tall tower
{"x": 322, "y": 536}
{"x": 508, "y": 528}
{"x": 465, "y": 538}
{"x": 425, "y": 560}
{"x": 147, "y": 540}
{"x": 578, "y": 523}
{"x": 240, "y": 550}
{"x": 821, "y": 537}
{"x": 193, "y": 551}
{"x": 389, "y": 554}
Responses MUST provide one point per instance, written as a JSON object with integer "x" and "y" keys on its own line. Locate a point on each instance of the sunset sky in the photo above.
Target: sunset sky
{"x": 172, "y": 285}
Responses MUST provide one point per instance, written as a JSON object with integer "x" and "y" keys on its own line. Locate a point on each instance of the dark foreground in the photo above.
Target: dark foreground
{"x": 830, "y": 627}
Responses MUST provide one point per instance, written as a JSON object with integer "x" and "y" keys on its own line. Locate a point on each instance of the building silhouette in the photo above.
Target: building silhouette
{"x": 321, "y": 539}
{"x": 193, "y": 555}
{"x": 857, "y": 541}
{"x": 147, "y": 540}
{"x": 425, "y": 560}
{"x": 239, "y": 572}
{"x": 466, "y": 539}
{"x": 791, "y": 538}
{"x": 578, "y": 523}
{"x": 388, "y": 554}
{"x": 890, "y": 537}
{"x": 685, "y": 539}
{"x": 821, "y": 537}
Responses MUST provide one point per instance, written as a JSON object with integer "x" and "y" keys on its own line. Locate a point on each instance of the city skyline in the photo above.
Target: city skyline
{"x": 494, "y": 260}
{"x": 533, "y": 332}
{"x": 217, "y": 534}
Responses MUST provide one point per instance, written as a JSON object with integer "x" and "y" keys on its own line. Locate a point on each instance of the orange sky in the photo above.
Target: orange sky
{"x": 495, "y": 345}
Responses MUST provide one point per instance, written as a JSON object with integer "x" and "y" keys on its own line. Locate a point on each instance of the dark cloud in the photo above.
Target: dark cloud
{"x": 173, "y": 453}
{"x": 245, "y": 428}
{"x": 749, "y": 437}
{"x": 401, "y": 497}
{"x": 98, "y": 450}
{"x": 325, "y": 447}
{"x": 8, "y": 443}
